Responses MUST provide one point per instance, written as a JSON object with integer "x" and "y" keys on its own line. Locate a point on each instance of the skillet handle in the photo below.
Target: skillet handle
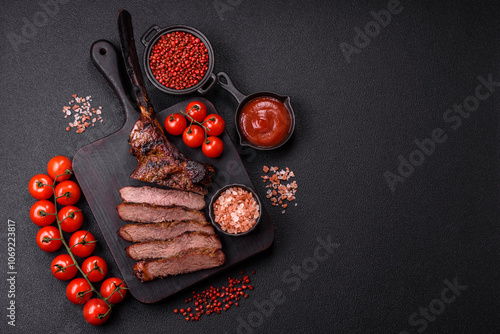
{"x": 144, "y": 37}
{"x": 105, "y": 59}
{"x": 206, "y": 88}
{"x": 228, "y": 85}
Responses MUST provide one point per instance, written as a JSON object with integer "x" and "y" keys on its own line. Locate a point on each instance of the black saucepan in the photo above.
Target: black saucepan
{"x": 227, "y": 84}
{"x": 205, "y": 84}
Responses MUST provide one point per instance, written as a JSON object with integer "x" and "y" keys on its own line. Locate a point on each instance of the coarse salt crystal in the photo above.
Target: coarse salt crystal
{"x": 236, "y": 210}
{"x": 81, "y": 112}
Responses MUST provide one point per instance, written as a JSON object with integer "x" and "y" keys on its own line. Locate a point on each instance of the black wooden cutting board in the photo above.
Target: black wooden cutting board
{"x": 103, "y": 167}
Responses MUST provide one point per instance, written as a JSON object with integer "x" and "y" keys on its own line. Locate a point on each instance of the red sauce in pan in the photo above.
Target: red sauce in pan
{"x": 264, "y": 121}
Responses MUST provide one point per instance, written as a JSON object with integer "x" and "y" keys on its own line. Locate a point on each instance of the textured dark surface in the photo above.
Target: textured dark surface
{"x": 353, "y": 121}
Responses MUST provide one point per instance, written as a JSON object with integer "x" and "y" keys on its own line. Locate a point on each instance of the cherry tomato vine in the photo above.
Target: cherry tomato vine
{"x": 201, "y": 131}
{"x": 193, "y": 121}
{"x": 50, "y": 238}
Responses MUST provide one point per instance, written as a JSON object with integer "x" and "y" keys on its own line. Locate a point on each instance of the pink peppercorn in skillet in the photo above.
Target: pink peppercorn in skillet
{"x": 179, "y": 60}
{"x": 236, "y": 210}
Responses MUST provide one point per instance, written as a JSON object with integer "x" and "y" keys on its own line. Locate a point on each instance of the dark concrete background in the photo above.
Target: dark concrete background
{"x": 395, "y": 249}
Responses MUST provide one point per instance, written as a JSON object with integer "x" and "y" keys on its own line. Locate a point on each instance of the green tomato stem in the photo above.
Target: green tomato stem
{"x": 117, "y": 289}
{"x": 196, "y": 122}
{"x": 102, "y": 316}
{"x": 68, "y": 249}
{"x": 61, "y": 268}
{"x": 66, "y": 172}
{"x": 45, "y": 213}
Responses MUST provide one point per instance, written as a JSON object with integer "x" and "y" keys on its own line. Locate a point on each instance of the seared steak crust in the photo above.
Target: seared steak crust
{"x": 183, "y": 263}
{"x": 160, "y": 162}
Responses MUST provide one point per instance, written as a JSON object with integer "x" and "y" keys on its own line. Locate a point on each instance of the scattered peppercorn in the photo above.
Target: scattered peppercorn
{"x": 215, "y": 300}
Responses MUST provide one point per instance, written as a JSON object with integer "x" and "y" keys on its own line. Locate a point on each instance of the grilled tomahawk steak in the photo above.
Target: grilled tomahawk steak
{"x": 160, "y": 162}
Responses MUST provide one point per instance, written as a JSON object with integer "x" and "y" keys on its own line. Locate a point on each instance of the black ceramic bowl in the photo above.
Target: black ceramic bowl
{"x": 217, "y": 194}
{"x": 206, "y": 83}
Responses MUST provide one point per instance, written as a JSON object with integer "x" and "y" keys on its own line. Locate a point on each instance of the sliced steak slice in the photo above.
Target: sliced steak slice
{"x": 162, "y": 197}
{"x": 186, "y": 262}
{"x": 141, "y": 232}
{"x": 145, "y": 213}
{"x": 167, "y": 248}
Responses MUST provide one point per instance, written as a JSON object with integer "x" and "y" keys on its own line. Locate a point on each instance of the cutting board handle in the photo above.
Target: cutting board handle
{"x": 105, "y": 59}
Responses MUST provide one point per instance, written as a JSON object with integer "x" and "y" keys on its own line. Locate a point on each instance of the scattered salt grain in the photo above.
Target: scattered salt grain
{"x": 278, "y": 193}
{"x": 81, "y": 110}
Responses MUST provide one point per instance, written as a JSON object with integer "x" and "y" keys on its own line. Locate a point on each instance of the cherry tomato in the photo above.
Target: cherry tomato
{"x": 68, "y": 192}
{"x": 215, "y": 124}
{"x": 114, "y": 289}
{"x": 63, "y": 268}
{"x": 79, "y": 291}
{"x": 96, "y": 312}
{"x": 43, "y": 213}
{"x": 82, "y": 243}
{"x": 61, "y": 167}
{"x": 44, "y": 236}
{"x": 71, "y": 218}
{"x": 39, "y": 186}
{"x": 212, "y": 147}
{"x": 175, "y": 124}
{"x": 193, "y": 137}
{"x": 95, "y": 268}
{"x": 197, "y": 110}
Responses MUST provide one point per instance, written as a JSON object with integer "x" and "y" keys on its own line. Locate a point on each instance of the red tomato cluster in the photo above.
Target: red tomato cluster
{"x": 82, "y": 243}
{"x": 201, "y": 131}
